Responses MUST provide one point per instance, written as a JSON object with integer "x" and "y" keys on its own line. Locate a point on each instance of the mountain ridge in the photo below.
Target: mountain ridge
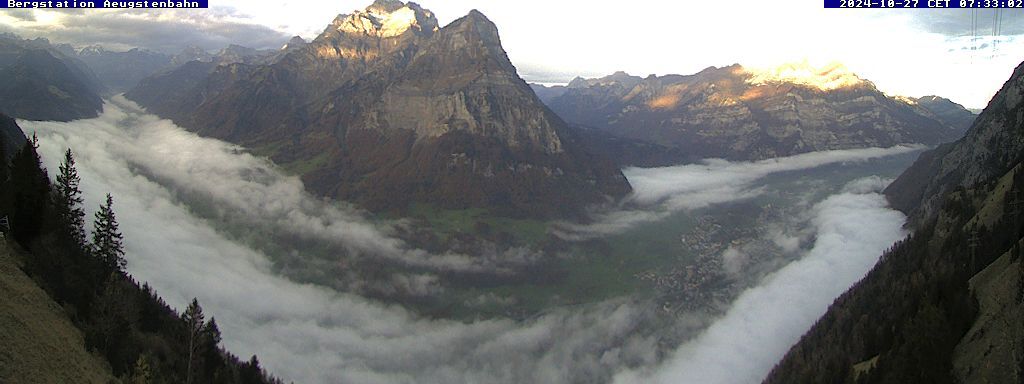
{"x": 943, "y": 305}
{"x": 386, "y": 108}
{"x": 739, "y": 113}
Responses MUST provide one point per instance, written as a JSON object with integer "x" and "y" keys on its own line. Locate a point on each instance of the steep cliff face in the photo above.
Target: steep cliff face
{"x": 740, "y": 113}
{"x": 991, "y": 147}
{"x": 386, "y": 108}
{"x": 944, "y": 305}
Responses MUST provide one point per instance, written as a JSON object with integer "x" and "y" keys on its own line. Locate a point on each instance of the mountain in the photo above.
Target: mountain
{"x": 386, "y": 108}
{"x": 988, "y": 150}
{"x": 192, "y": 53}
{"x": 71, "y": 314}
{"x": 41, "y": 83}
{"x": 946, "y": 111}
{"x": 120, "y": 71}
{"x": 238, "y": 54}
{"x": 547, "y": 93}
{"x": 746, "y": 114}
{"x": 944, "y": 305}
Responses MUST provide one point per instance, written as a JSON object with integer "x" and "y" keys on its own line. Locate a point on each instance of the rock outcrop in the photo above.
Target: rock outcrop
{"x": 746, "y": 114}
{"x": 385, "y": 108}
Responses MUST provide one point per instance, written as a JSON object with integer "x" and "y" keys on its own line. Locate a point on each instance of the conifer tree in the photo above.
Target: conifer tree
{"x": 195, "y": 325}
{"x": 68, "y": 199}
{"x": 107, "y": 241}
{"x": 30, "y": 187}
{"x": 210, "y": 356}
{"x": 141, "y": 374}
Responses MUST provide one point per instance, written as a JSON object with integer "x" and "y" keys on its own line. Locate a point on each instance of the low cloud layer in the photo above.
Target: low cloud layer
{"x": 161, "y": 177}
{"x": 854, "y": 228}
{"x": 305, "y": 332}
{"x": 659, "y": 192}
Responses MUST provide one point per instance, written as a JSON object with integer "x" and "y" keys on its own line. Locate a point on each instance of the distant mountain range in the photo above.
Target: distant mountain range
{"x": 59, "y": 82}
{"x": 744, "y": 114}
{"x": 42, "y": 83}
{"x": 386, "y": 108}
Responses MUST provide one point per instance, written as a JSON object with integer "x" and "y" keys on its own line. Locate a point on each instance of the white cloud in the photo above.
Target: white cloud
{"x": 853, "y": 229}
{"x": 310, "y": 333}
{"x": 305, "y": 332}
{"x": 658, "y": 192}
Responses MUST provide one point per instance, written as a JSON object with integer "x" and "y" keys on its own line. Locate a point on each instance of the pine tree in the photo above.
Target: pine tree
{"x": 195, "y": 325}
{"x": 30, "y": 187}
{"x": 68, "y": 199}
{"x": 251, "y": 372}
{"x": 211, "y": 359}
{"x": 141, "y": 374}
{"x": 107, "y": 241}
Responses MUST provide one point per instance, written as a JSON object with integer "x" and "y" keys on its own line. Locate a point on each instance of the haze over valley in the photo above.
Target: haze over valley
{"x": 395, "y": 199}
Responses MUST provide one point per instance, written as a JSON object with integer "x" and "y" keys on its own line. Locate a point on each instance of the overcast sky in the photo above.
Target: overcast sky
{"x": 905, "y": 52}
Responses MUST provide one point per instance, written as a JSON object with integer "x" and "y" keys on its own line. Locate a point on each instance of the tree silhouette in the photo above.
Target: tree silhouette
{"x": 30, "y": 186}
{"x": 195, "y": 325}
{"x": 68, "y": 199}
{"x": 107, "y": 242}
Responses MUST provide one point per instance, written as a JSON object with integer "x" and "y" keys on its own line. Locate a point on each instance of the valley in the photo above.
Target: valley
{"x": 492, "y": 194}
{"x": 680, "y": 264}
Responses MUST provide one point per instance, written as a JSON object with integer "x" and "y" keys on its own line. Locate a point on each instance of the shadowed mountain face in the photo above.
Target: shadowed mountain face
{"x": 948, "y": 112}
{"x": 944, "y": 305}
{"x": 991, "y": 147}
{"x": 385, "y": 108}
{"x": 739, "y": 113}
{"x": 12, "y": 139}
{"x": 119, "y": 71}
{"x": 40, "y": 83}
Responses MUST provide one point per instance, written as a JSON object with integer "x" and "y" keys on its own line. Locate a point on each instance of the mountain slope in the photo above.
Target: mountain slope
{"x": 942, "y": 306}
{"x": 11, "y": 137}
{"x": 948, "y": 112}
{"x": 990, "y": 148}
{"x": 43, "y": 84}
{"x": 120, "y": 71}
{"x": 41, "y": 345}
{"x": 745, "y": 114}
{"x": 385, "y": 108}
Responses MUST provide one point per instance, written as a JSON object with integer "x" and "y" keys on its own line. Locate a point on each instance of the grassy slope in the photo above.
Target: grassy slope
{"x": 39, "y": 343}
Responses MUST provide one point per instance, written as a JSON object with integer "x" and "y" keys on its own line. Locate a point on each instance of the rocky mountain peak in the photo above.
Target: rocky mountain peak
{"x": 295, "y": 42}
{"x": 385, "y": 108}
{"x": 388, "y": 18}
{"x": 92, "y": 50}
{"x": 577, "y": 82}
{"x": 386, "y": 6}
{"x": 479, "y": 24}
{"x": 829, "y": 77}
